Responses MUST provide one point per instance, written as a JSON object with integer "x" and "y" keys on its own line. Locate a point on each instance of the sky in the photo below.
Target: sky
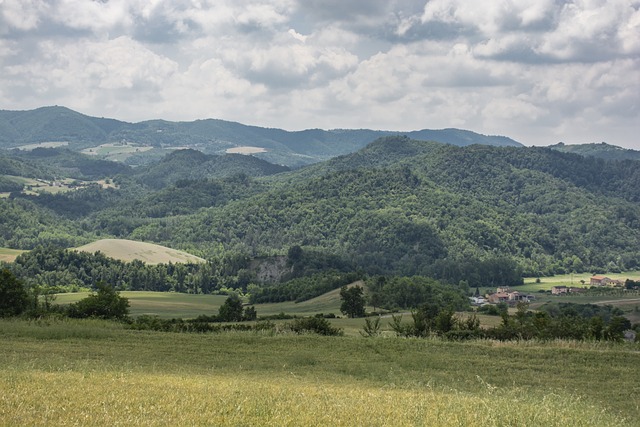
{"x": 538, "y": 71}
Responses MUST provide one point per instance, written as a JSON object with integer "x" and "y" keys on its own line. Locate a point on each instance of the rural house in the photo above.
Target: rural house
{"x": 559, "y": 290}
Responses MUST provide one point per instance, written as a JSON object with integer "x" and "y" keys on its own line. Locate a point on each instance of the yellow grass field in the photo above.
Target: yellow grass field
{"x": 9, "y": 255}
{"x": 100, "y": 374}
{"x": 129, "y": 250}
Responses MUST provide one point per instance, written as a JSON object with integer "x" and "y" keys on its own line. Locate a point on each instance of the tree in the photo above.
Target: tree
{"x": 231, "y": 310}
{"x": 106, "y": 303}
{"x": 250, "y": 313}
{"x": 14, "y": 299}
{"x": 352, "y": 301}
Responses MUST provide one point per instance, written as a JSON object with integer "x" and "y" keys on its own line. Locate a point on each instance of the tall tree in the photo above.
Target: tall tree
{"x": 14, "y": 299}
{"x": 352, "y": 301}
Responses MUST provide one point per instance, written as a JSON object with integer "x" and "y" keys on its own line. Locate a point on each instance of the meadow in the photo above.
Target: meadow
{"x": 575, "y": 280}
{"x": 98, "y": 373}
{"x": 9, "y": 255}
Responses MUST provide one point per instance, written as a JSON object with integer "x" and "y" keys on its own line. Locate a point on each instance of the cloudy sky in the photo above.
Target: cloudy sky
{"x": 539, "y": 71}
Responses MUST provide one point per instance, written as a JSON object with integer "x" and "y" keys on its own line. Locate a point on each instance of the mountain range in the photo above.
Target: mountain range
{"x": 211, "y": 136}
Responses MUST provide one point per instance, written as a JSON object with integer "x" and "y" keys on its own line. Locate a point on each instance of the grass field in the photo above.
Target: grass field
{"x": 9, "y": 255}
{"x": 97, "y": 373}
{"x": 128, "y": 250}
{"x": 546, "y": 283}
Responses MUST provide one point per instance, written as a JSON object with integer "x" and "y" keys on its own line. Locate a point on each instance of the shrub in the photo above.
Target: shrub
{"x": 316, "y": 325}
{"x": 105, "y": 304}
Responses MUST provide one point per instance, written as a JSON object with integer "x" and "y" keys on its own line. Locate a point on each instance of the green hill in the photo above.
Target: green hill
{"x": 194, "y": 165}
{"x": 149, "y": 253}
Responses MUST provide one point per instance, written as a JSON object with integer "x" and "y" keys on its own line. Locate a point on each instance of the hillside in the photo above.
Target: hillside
{"x": 194, "y": 165}
{"x": 406, "y": 206}
{"x": 149, "y": 253}
{"x": 212, "y": 136}
{"x": 477, "y": 213}
{"x": 602, "y": 151}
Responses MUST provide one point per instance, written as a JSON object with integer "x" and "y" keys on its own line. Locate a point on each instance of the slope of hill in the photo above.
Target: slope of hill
{"x": 399, "y": 206}
{"x": 211, "y": 136}
{"x": 412, "y": 207}
{"x": 602, "y": 150}
{"x": 149, "y": 253}
{"x": 194, "y": 165}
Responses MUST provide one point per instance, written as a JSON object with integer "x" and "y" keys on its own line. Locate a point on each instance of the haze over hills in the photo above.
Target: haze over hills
{"x": 212, "y": 136}
{"x": 601, "y": 150}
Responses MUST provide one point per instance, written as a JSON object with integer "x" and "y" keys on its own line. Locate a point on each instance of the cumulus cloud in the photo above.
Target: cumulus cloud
{"x": 538, "y": 71}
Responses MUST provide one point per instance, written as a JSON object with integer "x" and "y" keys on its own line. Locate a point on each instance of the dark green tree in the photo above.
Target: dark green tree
{"x": 231, "y": 310}
{"x": 250, "y": 313}
{"x": 352, "y": 301}
{"x": 14, "y": 299}
{"x": 106, "y": 303}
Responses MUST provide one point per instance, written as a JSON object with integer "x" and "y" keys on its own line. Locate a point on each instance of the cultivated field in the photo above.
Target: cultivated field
{"x": 128, "y": 250}
{"x": 246, "y": 150}
{"x": 575, "y": 280}
{"x": 116, "y": 151}
{"x": 97, "y": 373}
{"x": 9, "y": 255}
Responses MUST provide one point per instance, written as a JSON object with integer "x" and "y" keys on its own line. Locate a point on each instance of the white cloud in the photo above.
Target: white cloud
{"x": 538, "y": 71}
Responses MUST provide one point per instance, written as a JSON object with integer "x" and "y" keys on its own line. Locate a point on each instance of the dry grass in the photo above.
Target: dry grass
{"x": 97, "y": 373}
{"x": 117, "y": 398}
{"x": 128, "y": 250}
{"x": 9, "y": 255}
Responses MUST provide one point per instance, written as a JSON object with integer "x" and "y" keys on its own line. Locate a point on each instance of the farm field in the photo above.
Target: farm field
{"x": 98, "y": 373}
{"x": 116, "y": 151}
{"x": 128, "y": 250}
{"x": 546, "y": 283}
{"x": 9, "y": 255}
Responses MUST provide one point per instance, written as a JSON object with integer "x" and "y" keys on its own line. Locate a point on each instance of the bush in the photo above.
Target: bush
{"x": 105, "y": 304}
{"x": 316, "y": 325}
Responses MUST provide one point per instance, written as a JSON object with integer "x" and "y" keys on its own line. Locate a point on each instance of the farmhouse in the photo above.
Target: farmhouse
{"x": 559, "y": 290}
{"x": 605, "y": 281}
{"x": 510, "y": 297}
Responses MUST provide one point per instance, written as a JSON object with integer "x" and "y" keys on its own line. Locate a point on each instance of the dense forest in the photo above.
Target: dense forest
{"x": 399, "y": 207}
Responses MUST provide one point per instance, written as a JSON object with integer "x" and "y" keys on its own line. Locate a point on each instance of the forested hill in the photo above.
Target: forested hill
{"x": 47, "y": 124}
{"x": 398, "y": 206}
{"x": 602, "y": 150}
{"x": 194, "y": 165}
{"x": 406, "y": 206}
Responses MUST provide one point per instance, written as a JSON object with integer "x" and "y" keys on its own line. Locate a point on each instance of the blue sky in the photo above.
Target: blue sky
{"x": 539, "y": 71}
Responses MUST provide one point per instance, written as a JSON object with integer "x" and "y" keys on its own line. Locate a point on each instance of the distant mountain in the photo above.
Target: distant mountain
{"x": 53, "y": 124}
{"x": 602, "y": 151}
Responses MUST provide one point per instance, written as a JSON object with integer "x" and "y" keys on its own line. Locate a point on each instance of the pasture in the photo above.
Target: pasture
{"x": 98, "y": 373}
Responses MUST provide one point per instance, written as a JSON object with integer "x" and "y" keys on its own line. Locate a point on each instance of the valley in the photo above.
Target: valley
{"x": 194, "y": 219}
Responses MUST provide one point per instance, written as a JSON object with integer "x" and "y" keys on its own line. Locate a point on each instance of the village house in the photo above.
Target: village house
{"x": 605, "y": 281}
{"x": 559, "y": 290}
{"x": 510, "y": 297}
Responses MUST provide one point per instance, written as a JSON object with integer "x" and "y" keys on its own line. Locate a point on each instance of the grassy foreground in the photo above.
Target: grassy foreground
{"x": 97, "y": 373}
